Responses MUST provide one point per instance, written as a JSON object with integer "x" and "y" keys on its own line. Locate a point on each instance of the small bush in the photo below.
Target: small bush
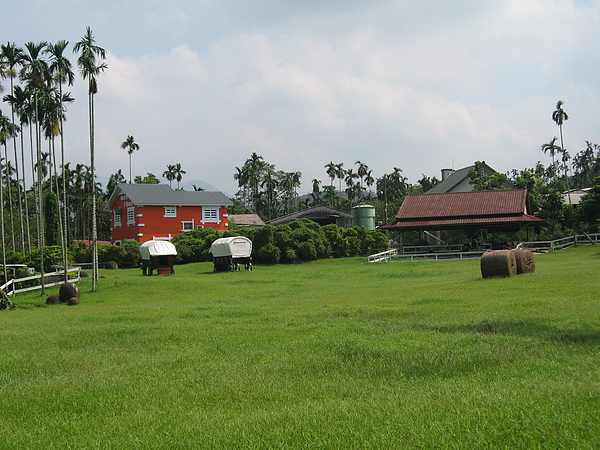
{"x": 307, "y": 251}
{"x": 268, "y": 254}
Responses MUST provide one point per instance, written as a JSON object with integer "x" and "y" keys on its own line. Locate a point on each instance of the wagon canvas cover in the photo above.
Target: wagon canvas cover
{"x": 236, "y": 247}
{"x": 157, "y": 248}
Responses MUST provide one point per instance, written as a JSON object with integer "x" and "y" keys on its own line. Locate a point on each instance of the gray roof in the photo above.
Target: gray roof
{"x": 313, "y": 211}
{"x": 164, "y": 195}
{"x": 459, "y": 177}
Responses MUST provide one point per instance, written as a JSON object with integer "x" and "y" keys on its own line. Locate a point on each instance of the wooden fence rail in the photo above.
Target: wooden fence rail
{"x": 50, "y": 279}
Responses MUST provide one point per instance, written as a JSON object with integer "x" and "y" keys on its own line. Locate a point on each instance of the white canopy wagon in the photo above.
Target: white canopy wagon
{"x": 228, "y": 253}
{"x": 159, "y": 255}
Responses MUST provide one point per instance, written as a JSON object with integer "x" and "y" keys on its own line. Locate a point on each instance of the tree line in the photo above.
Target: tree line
{"x": 271, "y": 193}
{"x": 37, "y": 101}
{"x": 63, "y": 202}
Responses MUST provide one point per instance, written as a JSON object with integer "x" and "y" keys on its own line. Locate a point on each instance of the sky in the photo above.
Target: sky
{"x": 419, "y": 85}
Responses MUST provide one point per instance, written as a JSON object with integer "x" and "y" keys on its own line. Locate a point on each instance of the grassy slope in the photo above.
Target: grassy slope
{"x": 334, "y": 354}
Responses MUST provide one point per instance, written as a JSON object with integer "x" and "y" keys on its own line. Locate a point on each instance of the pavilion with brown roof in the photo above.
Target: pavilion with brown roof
{"x": 493, "y": 211}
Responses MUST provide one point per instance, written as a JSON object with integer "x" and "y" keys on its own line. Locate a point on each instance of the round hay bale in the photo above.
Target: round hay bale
{"x": 53, "y": 300}
{"x": 67, "y": 291}
{"x": 111, "y": 265}
{"x": 499, "y": 263}
{"x": 525, "y": 261}
{"x": 73, "y": 301}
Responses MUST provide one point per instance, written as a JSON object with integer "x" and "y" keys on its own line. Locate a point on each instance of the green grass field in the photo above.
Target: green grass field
{"x": 329, "y": 354}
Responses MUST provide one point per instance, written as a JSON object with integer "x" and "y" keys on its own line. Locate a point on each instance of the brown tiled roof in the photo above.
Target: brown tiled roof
{"x": 478, "y": 208}
{"x": 461, "y": 204}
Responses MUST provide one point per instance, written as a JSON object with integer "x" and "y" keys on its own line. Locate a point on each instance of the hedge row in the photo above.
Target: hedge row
{"x": 300, "y": 240}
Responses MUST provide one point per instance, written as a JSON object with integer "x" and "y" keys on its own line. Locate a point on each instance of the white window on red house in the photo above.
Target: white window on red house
{"x": 170, "y": 211}
{"x": 131, "y": 215}
{"x": 187, "y": 225}
{"x": 117, "y": 218}
{"x": 210, "y": 214}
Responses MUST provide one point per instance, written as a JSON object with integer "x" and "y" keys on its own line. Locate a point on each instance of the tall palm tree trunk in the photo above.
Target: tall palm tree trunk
{"x": 25, "y": 193}
{"x": 93, "y": 193}
{"x": 562, "y": 145}
{"x": 10, "y": 204}
{"x": 2, "y": 227}
{"x": 19, "y": 198}
{"x": 12, "y": 114}
{"x": 40, "y": 180}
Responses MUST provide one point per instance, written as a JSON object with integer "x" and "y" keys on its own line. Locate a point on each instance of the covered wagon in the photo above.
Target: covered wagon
{"x": 229, "y": 253}
{"x": 159, "y": 256}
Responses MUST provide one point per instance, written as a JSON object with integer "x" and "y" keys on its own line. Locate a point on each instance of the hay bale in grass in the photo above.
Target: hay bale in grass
{"x": 525, "y": 261}
{"x": 67, "y": 291}
{"x": 53, "y": 300}
{"x": 73, "y": 301}
{"x": 499, "y": 263}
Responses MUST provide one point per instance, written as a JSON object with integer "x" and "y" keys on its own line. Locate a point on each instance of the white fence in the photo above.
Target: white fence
{"x": 561, "y": 243}
{"x": 398, "y": 255}
{"x": 50, "y": 279}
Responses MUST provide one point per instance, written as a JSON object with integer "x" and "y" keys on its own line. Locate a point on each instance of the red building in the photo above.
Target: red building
{"x": 142, "y": 212}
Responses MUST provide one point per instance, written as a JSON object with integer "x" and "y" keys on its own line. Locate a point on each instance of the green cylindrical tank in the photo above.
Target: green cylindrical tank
{"x": 364, "y": 216}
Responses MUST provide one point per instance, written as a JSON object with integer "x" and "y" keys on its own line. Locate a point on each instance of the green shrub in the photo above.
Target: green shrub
{"x": 268, "y": 254}
{"x": 307, "y": 251}
{"x": 194, "y": 246}
{"x": 81, "y": 252}
{"x": 52, "y": 257}
{"x": 291, "y": 256}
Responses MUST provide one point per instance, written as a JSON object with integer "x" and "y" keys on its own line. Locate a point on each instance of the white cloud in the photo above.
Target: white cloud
{"x": 416, "y": 85}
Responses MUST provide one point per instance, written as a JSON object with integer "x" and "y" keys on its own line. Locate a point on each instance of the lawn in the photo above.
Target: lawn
{"x": 336, "y": 353}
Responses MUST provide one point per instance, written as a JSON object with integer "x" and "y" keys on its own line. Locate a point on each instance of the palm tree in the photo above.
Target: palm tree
{"x": 43, "y": 165}
{"x": 361, "y": 171}
{"x": 328, "y": 191}
{"x": 20, "y": 100}
{"x": 350, "y": 177}
{"x": 551, "y": 148}
{"x": 3, "y": 242}
{"x": 131, "y": 146}
{"x": 179, "y": 172}
{"x": 255, "y": 167}
{"x": 8, "y": 130}
{"x": 331, "y": 172}
{"x": 340, "y": 173}
{"x": 36, "y": 74}
{"x": 270, "y": 183}
{"x": 369, "y": 181}
{"x": 90, "y": 63}
{"x": 113, "y": 180}
{"x": 60, "y": 68}
{"x": 316, "y": 185}
{"x": 169, "y": 174}
{"x": 560, "y": 116}
{"x": 12, "y": 57}
{"x": 583, "y": 162}
{"x": 242, "y": 178}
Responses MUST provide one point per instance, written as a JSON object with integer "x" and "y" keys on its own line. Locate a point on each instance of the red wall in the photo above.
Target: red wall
{"x": 150, "y": 221}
